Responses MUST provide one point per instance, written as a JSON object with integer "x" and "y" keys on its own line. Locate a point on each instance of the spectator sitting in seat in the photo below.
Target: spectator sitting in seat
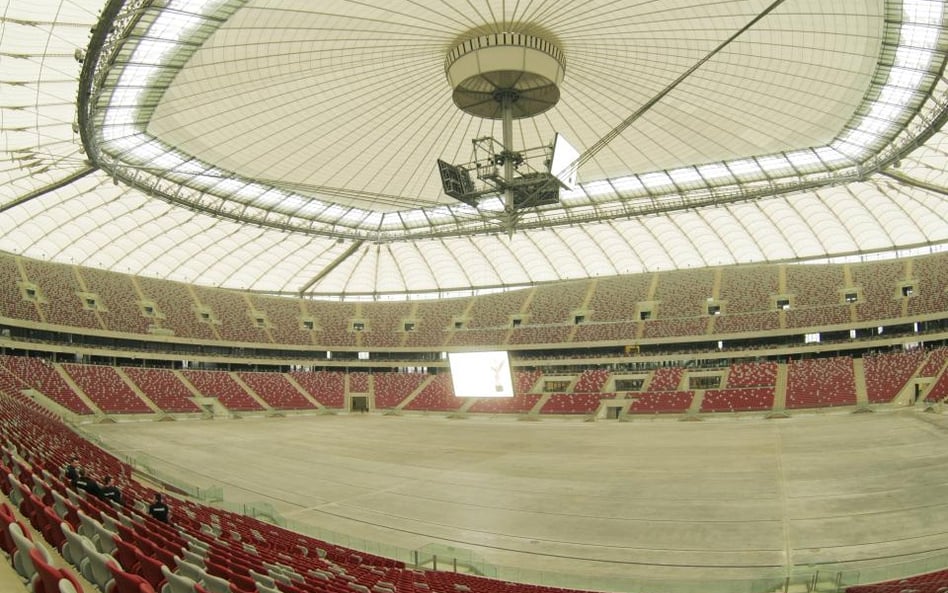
{"x": 71, "y": 471}
{"x": 158, "y": 509}
{"x": 86, "y": 483}
{"x": 110, "y": 491}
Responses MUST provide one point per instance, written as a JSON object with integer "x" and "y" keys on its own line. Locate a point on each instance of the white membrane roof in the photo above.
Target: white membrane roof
{"x": 288, "y": 145}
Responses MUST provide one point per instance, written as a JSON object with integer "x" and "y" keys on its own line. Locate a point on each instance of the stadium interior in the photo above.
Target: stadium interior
{"x": 704, "y": 245}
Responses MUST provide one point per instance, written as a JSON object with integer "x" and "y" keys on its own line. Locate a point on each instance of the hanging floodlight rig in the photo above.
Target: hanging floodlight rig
{"x": 505, "y": 76}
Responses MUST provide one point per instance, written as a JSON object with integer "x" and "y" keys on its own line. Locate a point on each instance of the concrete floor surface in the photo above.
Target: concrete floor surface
{"x": 655, "y": 505}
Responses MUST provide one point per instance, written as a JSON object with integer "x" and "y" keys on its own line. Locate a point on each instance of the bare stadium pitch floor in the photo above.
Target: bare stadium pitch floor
{"x": 655, "y": 501}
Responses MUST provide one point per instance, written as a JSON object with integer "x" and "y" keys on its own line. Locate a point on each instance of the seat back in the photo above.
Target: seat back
{"x": 67, "y": 586}
{"x": 7, "y": 519}
{"x": 16, "y": 493}
{"x": 192, "y": 571}
{"x": 32, "y": 509}
{"x": 73, "y": 550}
{"x": 176, "y": 583}
{"x": 50, "y": 527}
{"x": 49, "y": 575}
{"x": 126, "y": 582}
{"x": 104, "y": 538}
{"x": 150, "y": 569}
{"x": 21, "y": 558}
{"x": 262, "y": 579}
{"x": 216, "y": 584}
{"x": 97, "y": 567}
{"x": 127, "y": 554}
{"x": 193, "y": 557}
{"x": 87, "y": 525}
{"x": 65, "y": 509}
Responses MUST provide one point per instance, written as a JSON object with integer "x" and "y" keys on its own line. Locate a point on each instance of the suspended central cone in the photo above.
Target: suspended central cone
{"x": 522, "y": 70}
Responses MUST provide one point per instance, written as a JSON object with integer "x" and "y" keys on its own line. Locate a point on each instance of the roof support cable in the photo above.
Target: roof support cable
{"x": 48, "y": 188}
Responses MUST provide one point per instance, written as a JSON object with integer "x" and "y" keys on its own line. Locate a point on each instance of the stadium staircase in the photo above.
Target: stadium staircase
{"x": 418, "y": 390}
{"x": 253, "y": 394}
{"x": 306, "y": 395}
{"x": 862, "y": 394}
{"x": 780, "y": 389}
{"x": 141, "y": 394}
{"x": 98, "y": 414}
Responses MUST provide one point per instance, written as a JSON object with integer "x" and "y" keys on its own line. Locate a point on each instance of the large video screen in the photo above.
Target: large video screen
{"x": 481, "y": 374}
{"x": 564, "y": 164}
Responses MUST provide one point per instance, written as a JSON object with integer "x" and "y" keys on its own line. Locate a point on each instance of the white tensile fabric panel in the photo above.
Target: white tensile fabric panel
{"x": 112, "y": 227}
{"x": 392, "y": 117}
{"x": 332, "y": 101}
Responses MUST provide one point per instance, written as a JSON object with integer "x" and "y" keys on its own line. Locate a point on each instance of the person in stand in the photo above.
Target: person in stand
{"x": 86, "y": 483}
{"x": 71, "y": 472}
{"x": 109, "y": 491}
{"x": 159, "y": 509}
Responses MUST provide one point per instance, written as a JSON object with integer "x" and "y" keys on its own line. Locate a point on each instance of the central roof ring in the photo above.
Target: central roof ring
{"x": 525, "y": 70}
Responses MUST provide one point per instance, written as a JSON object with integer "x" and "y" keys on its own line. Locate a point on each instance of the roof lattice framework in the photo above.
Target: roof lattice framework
{"x": 290, "y": 146}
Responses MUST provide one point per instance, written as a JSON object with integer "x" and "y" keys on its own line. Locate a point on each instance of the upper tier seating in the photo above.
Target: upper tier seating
{"x": 117, "y": 291}
{"x": 931, "y": 293}
{"x": 684, "y": 294}
{"x": 614, "y": 299}
{"x": 554, "y": 304}
{"x": 174, "y": 301}
{"x": 541, "y": 334}
{"x": 494, "y": 310}
{"x": 67, "y": 295}
{"x": 606, "y": 332}
{"x": 335, "y": 322}
{"x": 816, "y": 296}
{"x": 879, "y": 282}
{"x": 385, "y": 323}
{"x": 284, "y": 317}
{"x": 434, "y": 320}
{"x": 60, "y": 287}
{"x": 12, "y": 303}
{"x": 479, "y": 337}
{"x": 669, "y": 328}
{"x": 232, "y": 310}
{"x": 732, "y": 323}
{"x": 748, "y": 289}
